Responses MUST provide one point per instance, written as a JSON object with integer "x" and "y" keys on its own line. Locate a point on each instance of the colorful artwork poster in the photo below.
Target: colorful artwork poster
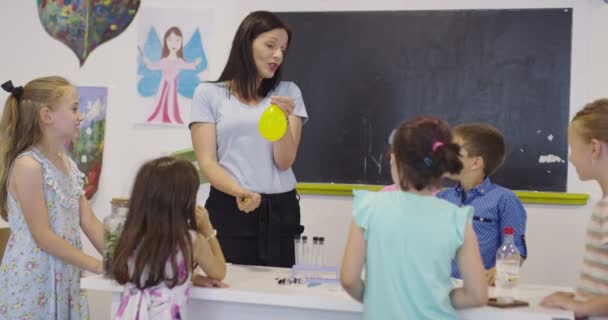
{"x": 87, "y": 150}
{"x": 83, "y": 25}
{"x": 172, "y": 62}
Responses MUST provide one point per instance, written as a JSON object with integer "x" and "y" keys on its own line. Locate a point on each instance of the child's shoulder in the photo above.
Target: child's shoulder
{"x": 366, "y": 200}
{"x": 405, "y": 198}
{"x": 504, "y": 194}
{"x": 26, "y": 171}
{"x": 443, "y": 205}
{"x": 27, "y": 162}
{"x": 601, "y": 207}
{"x": 377, "y": 195}
{"x": 446, "y": 191}
{"x": 363, "y": 196}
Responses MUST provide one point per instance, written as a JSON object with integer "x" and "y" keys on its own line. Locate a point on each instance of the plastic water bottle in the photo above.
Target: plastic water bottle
{"x": 507, "y": 268}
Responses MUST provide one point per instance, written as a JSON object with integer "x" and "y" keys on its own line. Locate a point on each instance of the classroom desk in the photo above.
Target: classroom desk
{"x": 255, "y": 294}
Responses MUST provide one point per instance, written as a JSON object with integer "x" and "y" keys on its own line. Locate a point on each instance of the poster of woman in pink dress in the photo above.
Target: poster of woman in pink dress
{"x": 168, "y": 72}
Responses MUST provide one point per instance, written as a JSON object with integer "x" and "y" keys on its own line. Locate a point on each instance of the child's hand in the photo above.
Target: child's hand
{"x": 560, "y": 299}
{"x": 98, "y": 267}
{"x": 248, "y": 201}
{"x": 202, "y": 221}
{"x": 491, "y": 276}
{"x": 206, "y": 282}
{"x": 287, "y": 104}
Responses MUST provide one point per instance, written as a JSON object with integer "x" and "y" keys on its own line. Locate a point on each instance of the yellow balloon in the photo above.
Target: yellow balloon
{"x": 273, "y": 123}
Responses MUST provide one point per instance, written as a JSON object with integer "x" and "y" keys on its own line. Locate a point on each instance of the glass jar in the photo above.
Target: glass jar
{"x": 112, "y": 226}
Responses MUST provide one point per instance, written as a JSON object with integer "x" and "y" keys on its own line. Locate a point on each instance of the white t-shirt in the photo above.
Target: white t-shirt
{"x": 241, "y": 150}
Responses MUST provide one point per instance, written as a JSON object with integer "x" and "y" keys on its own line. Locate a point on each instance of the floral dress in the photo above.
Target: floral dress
{"x": 33, "y": 283}
{"x": 159, "y": 302}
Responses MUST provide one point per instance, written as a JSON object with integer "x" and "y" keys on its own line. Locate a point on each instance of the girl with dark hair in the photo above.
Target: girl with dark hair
{"x": 408, "y": 238}
{"x": 164, "y": 236}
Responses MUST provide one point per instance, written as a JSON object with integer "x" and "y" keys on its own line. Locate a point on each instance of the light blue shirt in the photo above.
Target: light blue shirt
{"x": 241, "y": 150}
{"x": 411, "y": 241}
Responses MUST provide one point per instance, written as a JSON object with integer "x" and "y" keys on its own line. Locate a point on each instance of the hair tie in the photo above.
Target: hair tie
{"x": 436, "y": 145}
{"x": 15, "y": 91}
{"x": 428, "y": 161}
{"x": 391, "y": 137}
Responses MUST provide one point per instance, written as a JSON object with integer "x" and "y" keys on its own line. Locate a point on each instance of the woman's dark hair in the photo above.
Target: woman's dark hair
{"x": 424, "y": 151}
{"x": 161, "y": 212}
{"x": 240, "y": 68}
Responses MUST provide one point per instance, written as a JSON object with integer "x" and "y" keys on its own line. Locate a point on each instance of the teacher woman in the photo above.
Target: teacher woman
{"x": 252, "y": 202}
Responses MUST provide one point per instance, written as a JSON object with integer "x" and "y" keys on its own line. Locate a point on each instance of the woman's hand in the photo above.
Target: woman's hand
{"x": 287, "y": 104}
{"x": 248, "y": 201}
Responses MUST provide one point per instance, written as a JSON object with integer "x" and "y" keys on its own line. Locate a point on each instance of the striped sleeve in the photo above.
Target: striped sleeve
{"x": 598, "y": 227}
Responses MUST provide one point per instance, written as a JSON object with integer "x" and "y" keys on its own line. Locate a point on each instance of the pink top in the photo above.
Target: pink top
{"x": 393, "y": 187}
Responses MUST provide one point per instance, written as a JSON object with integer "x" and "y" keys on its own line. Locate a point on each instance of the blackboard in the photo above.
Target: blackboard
{"x": 362, "y": 73}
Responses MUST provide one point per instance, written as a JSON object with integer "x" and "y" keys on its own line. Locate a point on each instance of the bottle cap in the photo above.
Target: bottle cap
{"x": 508, "y": 230}
{"x": 120, "y": 202}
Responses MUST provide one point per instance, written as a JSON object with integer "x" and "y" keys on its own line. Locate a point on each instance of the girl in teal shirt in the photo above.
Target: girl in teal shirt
{"x": 407, "y": 238}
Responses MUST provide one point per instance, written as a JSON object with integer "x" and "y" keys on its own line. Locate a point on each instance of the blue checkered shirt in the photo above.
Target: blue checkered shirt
{"x": 494, "y": 208}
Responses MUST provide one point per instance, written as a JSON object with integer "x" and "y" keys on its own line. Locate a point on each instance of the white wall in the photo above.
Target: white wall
{"x": 555, "y": 233}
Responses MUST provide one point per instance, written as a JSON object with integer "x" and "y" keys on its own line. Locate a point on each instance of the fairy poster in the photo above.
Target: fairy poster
{"x": 171, "y": 61}
{"x": 87, "y": 150}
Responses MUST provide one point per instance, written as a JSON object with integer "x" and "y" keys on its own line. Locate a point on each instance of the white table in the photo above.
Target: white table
{"x": 255, "y": 294}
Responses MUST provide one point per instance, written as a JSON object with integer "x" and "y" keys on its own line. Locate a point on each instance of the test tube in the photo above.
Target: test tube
{"x": 304, "y": 250}
{"x": 297, "y": 249}
{"x": 321, "y": 252}
{"x": 315, "y": 252}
